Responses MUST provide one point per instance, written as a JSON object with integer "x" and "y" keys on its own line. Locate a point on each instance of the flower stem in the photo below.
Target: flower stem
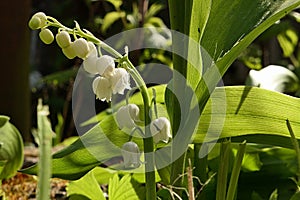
{"x": 148, "y": 139}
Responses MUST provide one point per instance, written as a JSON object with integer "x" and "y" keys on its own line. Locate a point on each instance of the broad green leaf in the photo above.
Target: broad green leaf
{"x": 3, "y": 120}
{"x": 11, "y": 149}
{"x": 240, "y": 26}
{"x": 254, "y": 114}
{"x": 110, "y": 18}
{"x": 122, "y": 189}
{"x": 86, "y": 186}
{"x": 288, "y": 41}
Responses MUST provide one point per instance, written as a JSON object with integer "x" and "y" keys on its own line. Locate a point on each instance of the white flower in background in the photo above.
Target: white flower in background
{"x": 161, "y": 130}
{"x": 102, "y": 88}
{"x": 105, "y": 65}
{"x": 120, "y": 81}
{"x": 46, "y": 36}
{"x": 131, "y": 155}
{"x": 127, "y": 115}
{"x": 274, "y": 77}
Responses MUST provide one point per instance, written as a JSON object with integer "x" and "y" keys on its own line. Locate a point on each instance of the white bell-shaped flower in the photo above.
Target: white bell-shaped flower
{"x": 131, "y": 155}
{"x": 105, "y": 65}
{"x": 120, "y": 81}
{"x": 127, "y": 115}
{"x": 102, "y": 88}
{"x": 161, "y": 130}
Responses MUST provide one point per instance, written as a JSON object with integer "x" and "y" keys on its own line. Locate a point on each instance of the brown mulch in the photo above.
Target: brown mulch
{"x": 23, "y": 186}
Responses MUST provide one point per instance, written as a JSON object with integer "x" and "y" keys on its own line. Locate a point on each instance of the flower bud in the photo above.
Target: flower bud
{"x": 120, "y": 81}
{"x": 161, "y": 130}
{"x": 102, "y": 89}
{"x": 105, "y": 65}
{"x": 126, "y": 115}
{"x": 63, "y": 39}
{"x": 131, "y": 155}
{"x": 46, "y": 36}
{"x": 69, "y": 51}
{"x": 93, "y": 49}
{"x": 38, "y": 20}
{"x": 89, "y": 64}
{"x": 81, "y": 48}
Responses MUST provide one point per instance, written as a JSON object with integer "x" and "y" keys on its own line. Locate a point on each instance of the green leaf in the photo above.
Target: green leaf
{"x": 86, "y": 186}
{"x": 110, "y": 18}
{"x": 3, "y": 120}
{"x": 274, "y": 195}
{"x": 11, "y": 150}
{"x": 296, "y": 196}
{"x": 253, "y": 114}
{"x": 122, "y": 189}
{"x": 288, "y": 41}
{"x": 235, "y": 35}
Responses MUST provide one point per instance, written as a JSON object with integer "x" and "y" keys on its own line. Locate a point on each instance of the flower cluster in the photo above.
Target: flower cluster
{"x": 111, "y": 80}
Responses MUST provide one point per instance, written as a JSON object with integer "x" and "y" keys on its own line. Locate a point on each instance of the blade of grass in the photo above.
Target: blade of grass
{"x": 236, "y": 171}
{"x": 223, "y": 170}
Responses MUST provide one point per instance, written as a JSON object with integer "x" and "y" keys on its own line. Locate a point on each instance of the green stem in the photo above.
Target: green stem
{"x": 200, "y": 164}
{"x": 236, "y": 171}
{"x": 44, "y": 165}
{"x": 148, "y": 140}
{"x": 296, "y": 146}
{"x": 223, "y": 170}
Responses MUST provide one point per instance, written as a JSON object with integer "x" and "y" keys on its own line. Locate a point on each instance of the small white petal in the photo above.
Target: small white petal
{"x": 102, "y": 89}
{"x": 105, "y": 65}
{"x": 120, "y": 81}
{"x": 161, "y": 130}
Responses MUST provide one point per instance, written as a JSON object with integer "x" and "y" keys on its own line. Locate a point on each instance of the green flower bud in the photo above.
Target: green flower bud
{"x": 34, "y": 23}
{"x": 81, "y": 48}
{"x": 38, "y": 20}
{"x": 46, "y": 36}
{"x": 69, "y": 51}
{"x": 63, "y": 39}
